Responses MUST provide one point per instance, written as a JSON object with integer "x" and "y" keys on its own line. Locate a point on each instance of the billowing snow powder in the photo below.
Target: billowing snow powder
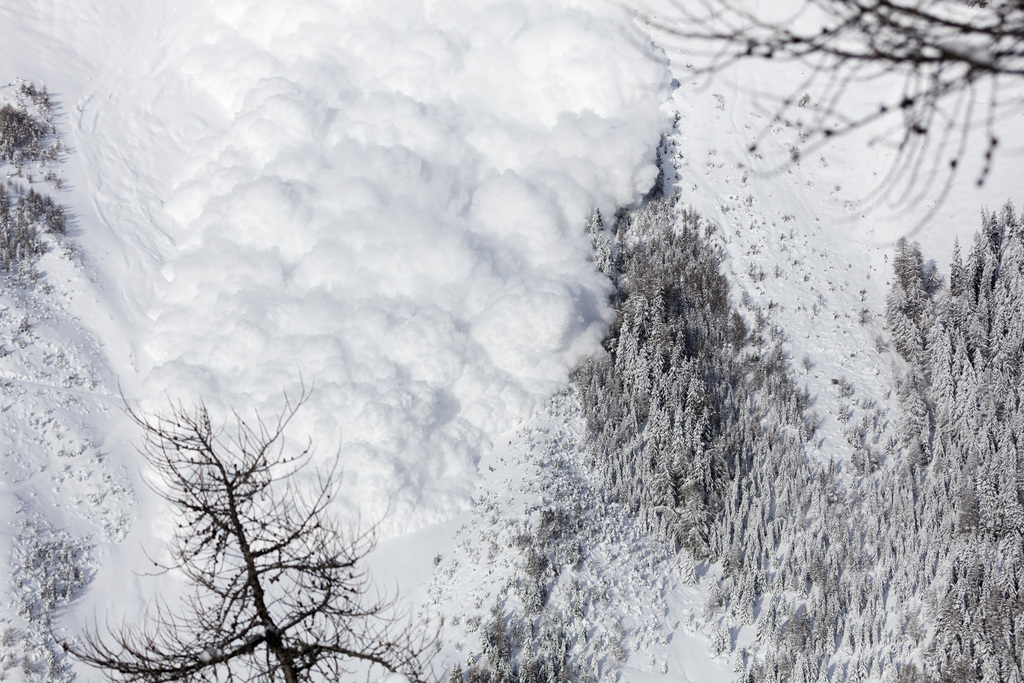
{"x": 386, "y": 198}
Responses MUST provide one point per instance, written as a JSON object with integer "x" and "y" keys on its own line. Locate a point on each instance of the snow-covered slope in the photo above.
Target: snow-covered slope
{"x": 620, "y": 602}
{"x": 811, "y": 244}
{"x": 385, "y": 201}
{"x": 812, "y": 240}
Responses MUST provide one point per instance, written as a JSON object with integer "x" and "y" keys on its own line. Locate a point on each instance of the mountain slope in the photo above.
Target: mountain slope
{"x": 387, "y": 201}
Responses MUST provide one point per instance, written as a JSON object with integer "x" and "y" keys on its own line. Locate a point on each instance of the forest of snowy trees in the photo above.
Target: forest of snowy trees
{"x": 902, "y": 563}
{"x": 962, "y": 424}
{"x": 696, "y": 426}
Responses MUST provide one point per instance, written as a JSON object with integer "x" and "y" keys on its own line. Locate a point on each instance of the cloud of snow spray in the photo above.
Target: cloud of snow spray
{"x": 386, "y": 197}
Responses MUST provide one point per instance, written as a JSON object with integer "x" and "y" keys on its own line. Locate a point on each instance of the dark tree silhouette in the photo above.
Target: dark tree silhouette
{"x": 280, "y": 591}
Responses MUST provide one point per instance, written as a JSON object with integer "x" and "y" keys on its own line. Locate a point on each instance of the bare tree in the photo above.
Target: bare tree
{"x": 959, "y": 65}
{"x": 280, "y": 591}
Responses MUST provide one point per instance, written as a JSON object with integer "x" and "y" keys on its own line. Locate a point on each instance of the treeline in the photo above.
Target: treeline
{"x": 903, "y": 563}
{"x": 670, "y": 408}
{"x": 27, "y": 135}
{"x": 49, "y": 568}
{"x": 695, "y": 424}
{"x": 962, "y": 428}
{"x": 900, "y": 563}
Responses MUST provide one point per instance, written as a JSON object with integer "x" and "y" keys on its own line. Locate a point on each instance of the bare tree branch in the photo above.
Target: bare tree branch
{"x": 280, "y": 590}
{"x": 949, "y": 56}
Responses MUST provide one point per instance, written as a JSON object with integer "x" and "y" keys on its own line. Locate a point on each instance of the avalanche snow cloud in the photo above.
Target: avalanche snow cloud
{"x": 386, "y": 199}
